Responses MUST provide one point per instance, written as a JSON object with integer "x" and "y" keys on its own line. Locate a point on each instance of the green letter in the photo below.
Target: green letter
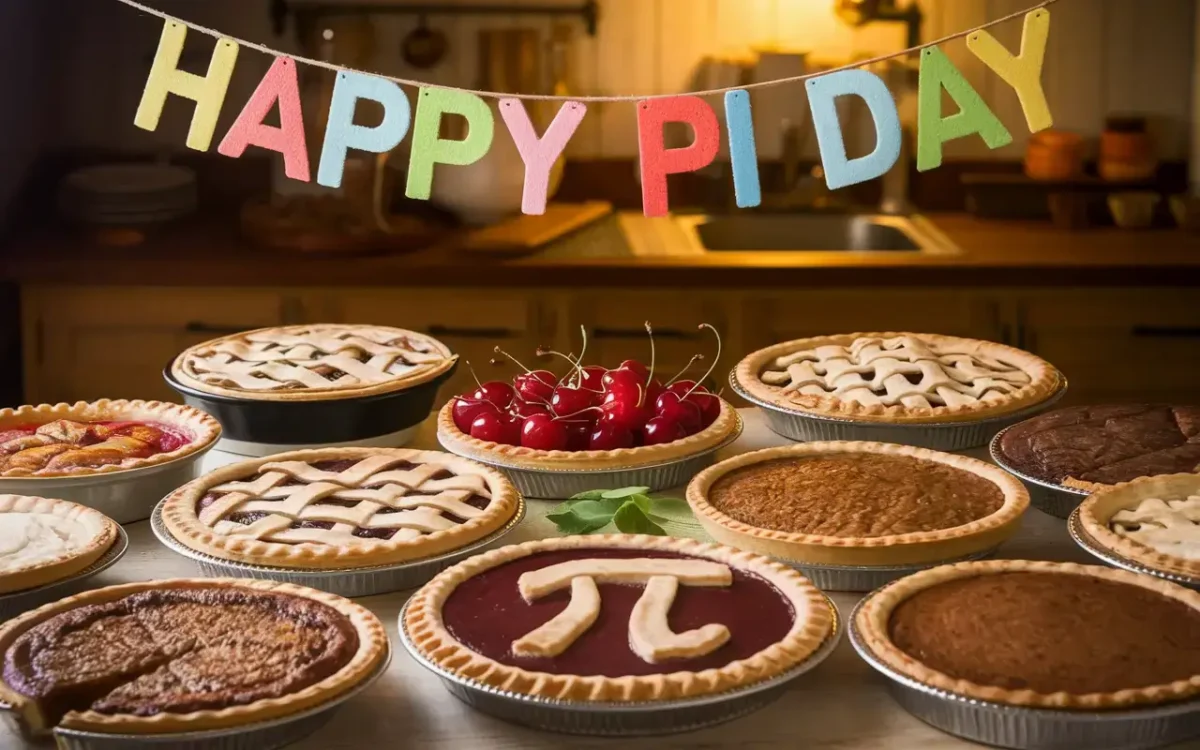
{"x": 429, "y": 149}
{"x": 974, "y": 116}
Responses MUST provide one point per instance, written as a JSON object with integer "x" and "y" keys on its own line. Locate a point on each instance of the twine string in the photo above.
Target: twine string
{"x": 615, "y": 98}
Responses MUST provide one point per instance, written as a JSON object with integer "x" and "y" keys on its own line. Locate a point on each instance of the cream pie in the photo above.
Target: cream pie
{"x": 857, "y": 503}
{"x": 617, "y": 618}
{"x": 43, "y": 540}
{"x": 340, "y": 507}
{"x": 897, "y": 377}
{"x": 1153, "y": 521}
{"x": 184, "y": 655}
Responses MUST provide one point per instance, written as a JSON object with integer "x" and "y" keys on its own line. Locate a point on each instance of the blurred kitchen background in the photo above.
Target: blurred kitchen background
{"x": 1078, "y": 243}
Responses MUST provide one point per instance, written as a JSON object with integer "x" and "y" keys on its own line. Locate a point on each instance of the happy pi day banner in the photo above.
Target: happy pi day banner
{"x": 280, "y": 86}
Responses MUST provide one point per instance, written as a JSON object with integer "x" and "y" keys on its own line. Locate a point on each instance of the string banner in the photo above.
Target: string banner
{"x": 938, "y": 77}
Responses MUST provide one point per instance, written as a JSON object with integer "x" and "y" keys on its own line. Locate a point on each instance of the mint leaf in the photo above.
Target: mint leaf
{"x": 644, "y": 503}
{"x": 625, "y": 492}
{"x": 569, "y": 523}
{"x": 673, "y": 509}
{"x": 631, "y": 520}
{"x": 588, "y": 495}
{"x": 584, "y": 516}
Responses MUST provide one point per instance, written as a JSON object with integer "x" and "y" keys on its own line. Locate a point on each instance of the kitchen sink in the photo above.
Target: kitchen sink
{"x": 816, "y": 232}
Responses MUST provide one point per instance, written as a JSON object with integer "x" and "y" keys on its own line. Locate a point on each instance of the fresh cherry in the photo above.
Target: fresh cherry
{"x": 536, "y": 385}
{"x": 526, "y": 409}
{"x": 709, "y": 404}
{"x": 626, "y": 414}
{"x": 662, "y": 430}
{"x": 499, "y": 393}
{"x": 465, "y": 410}
{"x": 497, "y": 428}
{"x": 567, "y": 400}
{"x": 544, "y": 433}
{"x": 606, "y": 437}
{"x": 638, "y": 368}
{"x": 682, "y": 386}
{"x": 592, "y": 377}
{"x": 578, "y": 434}
{"x": 685, "y": 413}
{"x": 622, "y": 377}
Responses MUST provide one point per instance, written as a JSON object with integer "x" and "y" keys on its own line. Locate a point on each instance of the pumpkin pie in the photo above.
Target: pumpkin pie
{"x": 1038, "y": 634}
{"x": 857, "y": 503}
{"x": 1153, "y": 521}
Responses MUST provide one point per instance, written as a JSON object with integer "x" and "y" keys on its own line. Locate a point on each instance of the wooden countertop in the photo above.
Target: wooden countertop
{"x": 840, "y": 705}
{"x": 995, "y": 253}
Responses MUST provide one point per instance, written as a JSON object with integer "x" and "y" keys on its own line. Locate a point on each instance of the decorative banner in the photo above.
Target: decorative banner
{"x": 1022, "y": 72}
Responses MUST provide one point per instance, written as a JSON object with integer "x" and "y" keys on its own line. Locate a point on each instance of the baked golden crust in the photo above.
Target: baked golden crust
{"x": 813, "y": 624}
{"x": 49, "y": 569}
{"x": 874, "y": 614}
{"x": 727, "y": 426}
{"x": 183, "y": 368}
{"x": 372, "y": 651}
{"x": 1044, "y": 381}
{"x": 181, "y": 519}
{"x": 1096, "y": 514}
{"x": 896, "y": 549}
{"x": 203, "y": 428}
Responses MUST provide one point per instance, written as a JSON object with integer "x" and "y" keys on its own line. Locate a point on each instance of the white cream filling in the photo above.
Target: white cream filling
{"x": 27, "y": 539}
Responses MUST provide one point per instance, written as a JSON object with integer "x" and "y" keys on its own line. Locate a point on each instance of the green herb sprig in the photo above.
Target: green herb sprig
{"x": 630, "y": 509}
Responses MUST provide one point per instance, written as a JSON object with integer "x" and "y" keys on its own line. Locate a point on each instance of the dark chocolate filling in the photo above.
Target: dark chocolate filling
{"x": 486, "y": 613}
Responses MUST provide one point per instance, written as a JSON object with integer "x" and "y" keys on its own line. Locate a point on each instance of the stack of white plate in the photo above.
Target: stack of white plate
{"x": 128, "y": 194}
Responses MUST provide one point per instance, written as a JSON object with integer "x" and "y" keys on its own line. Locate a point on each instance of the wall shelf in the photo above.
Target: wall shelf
{"x": 588, "y": 11}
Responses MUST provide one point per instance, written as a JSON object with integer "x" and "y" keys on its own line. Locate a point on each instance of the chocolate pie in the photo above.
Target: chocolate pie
{"x": 854, "y": 503}
{"x": 340, "y": 507}
{"x": 897, "y": 377}
{"x": 1039, "y": 634}
{"x": 1153, "y": 521}
{"x": 184, "y": 655}
{"x": 617, "y": 618}
{"x": 43, "y": 540}
{"x": 56, "y": 440}
{"x": 1089, "y": 447}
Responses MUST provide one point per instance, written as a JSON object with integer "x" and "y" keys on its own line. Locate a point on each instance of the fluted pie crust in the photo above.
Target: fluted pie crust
{"x": 874, "y": 615}
{"x": 894, "y": 549}
{"x": 182, "y": 520}
{"x": 727, "y": 425}
{"x": 1044, "y": 381}
{"x": 203, "y": 428}
{"x": 372, "y": 650}
{"x": 1096, "y": 513}
{"x": 51, "y": 569}
{"x": 813, "y": 624}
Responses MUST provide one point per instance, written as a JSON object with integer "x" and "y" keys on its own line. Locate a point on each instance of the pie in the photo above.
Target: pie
{"x": 312, "y": 362}
{"x": 184, "y": 655}
{"x": 1154, "y": 521}
{"x": 1038, "y": 634}
{"x": 855, "y": 503}
{"x": 1089, "y": 447}
{"x": 340, "y": 507}
{"x": 53, "y": 440}
{"x": 44, "y": 540}
{"x": 897, "y": 377}
{"x": 617, "y": 618}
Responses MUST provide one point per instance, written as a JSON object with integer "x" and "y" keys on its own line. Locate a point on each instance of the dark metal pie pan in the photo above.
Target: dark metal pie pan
{"x": 339, "y": 420}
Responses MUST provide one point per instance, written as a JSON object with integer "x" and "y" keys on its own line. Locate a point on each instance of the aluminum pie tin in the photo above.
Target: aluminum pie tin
{"x": 18, "y": 602}
{"x": 560, "y": 484}
{"x": 940, "y": 436}
{"x": 867, "y": 578}
{"x": 621, "y": 719}
{"x": 1033, "y": 728}
{"x": 1048, "y": 497}
{"x": 1090, "y": 545}
{"x": 264, "y": 735}
{"x": 347, "y": 582}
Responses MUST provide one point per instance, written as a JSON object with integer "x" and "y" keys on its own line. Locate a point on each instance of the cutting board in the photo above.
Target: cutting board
{"x": 527, "y": 233}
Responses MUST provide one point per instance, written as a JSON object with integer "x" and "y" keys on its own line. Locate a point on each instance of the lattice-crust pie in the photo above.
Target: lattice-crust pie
{"x": 340, "y": 507}
{"x": 897, "y": 377}
{"x": 312, "y": 362}
{"x": 1154, "y": 521}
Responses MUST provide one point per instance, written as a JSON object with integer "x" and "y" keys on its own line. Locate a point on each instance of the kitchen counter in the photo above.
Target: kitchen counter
{"x": 842, "y": 704}
{"x": 994, "y": 253}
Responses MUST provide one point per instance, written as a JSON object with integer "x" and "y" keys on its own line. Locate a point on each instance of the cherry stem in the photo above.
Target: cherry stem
{"x": 498, "y": 350}
{"x": 650, "y": 372}
{"x": 473, "y": 375}
{"x": 688, "y": 366}
{"x": 567, "y": 417}
{"x": 716, "y": 359}
{"x": 576, "y": 369}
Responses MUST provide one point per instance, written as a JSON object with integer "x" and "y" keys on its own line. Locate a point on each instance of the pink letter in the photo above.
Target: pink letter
{"x": 279, "y": 84}
{"x": 539, "y": 155}
{"x": 657, "y": 161}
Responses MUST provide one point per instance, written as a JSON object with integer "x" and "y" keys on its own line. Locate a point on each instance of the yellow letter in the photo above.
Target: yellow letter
{"x": 1023, "y": 73}
{"x": 207, "y": 91}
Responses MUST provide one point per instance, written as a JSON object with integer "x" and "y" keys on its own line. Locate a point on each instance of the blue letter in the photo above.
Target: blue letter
{"x": 341, "y": 133}
{"x": 822, "y": 95}
{"x": 743, "y": 156}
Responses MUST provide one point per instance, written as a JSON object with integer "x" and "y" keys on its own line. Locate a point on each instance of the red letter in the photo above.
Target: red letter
{"x": 657, "y": 161}
{"x": 279, "y": 84}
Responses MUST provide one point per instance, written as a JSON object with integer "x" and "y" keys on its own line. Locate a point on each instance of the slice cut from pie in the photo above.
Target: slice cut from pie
{"x": 340, "y": 507}
{"x": 184, "y": 655}
{"x": 618, "y": 618}
{"x": 857, "y": 503}
{"x": 43, "y": 540}
{"x": 1153, "y": 521}
{"x": 1038, "y": 634}
{"x": 897, "y": 377}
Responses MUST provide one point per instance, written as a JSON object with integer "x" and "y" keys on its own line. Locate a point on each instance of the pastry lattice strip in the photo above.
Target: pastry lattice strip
{"x": 1171, "y": 526}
